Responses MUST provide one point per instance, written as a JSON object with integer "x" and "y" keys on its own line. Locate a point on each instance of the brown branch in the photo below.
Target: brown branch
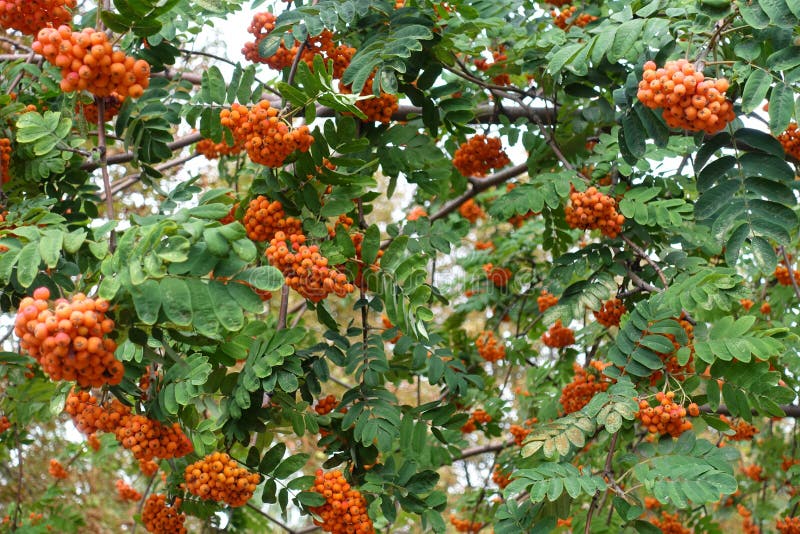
{"x": 284, "y": 526}
{"x": 607, "y": 471}
{"x": 15, "y": 44}
{"x": 483, "y": 449}
{"x": 643, "y": 255}
{"x": 102, "y": 148}
{"x": 791, "y": 410}
{"x": 28, "y": 59}
{"x": 126, "y": 157}
{"x": 128, "y": 181}
{"x": 791, "y": 271}
{"x": 484, "y": 114}
{"x": 300, "y": 312}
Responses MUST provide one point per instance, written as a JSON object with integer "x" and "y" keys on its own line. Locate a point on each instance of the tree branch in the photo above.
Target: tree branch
{"x": 126, "y": 157}
{"x": 483, "y": 449}
{"x": 791, "y": 271}
{"x": 128, "y": 181}
{"x": 791, "y": 410}
{"x": 102, "y": 148}
{"x": 643, "y": 255}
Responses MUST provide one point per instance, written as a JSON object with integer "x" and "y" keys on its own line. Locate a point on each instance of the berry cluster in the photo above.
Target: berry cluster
{"x": 266, "y": 137}
{"x": 480, "y": 154}
{"x": 746, "y": 304}
{"x": 790, "y": 139}
{"x": 5, "y": 424}
{"x": 358, "y": 241}
{"x": 377, "y": 109}
{"x": 484, "y": 245}
{"x": 788, "y": 525}
{"x": 651, "y": 503}
{"x": 416, "y": 212}
{"x": 148, "y": 467}
{"x": 783, "y": 275}
{"x": 29, "y": 16}
{"x": 126, "y": 492}
{"x": 479, "y": 416}
{"x": 69, "y": 341}
{"x": 305, "y": 269}
{"x": 489, "y": 348}
{"x": 690, "y": 100}
{"x": 609, "y": 314}
{"x": 325, "y": 405}
{"x": 345, "y": 508}
{"x": 160, "y": 518}
{"x": 471, "y": 211}
{"x": 89, "y": 417}
{"x": 667, "y": 417}
{"x": 387, "y": 324}
{"x": 5, "y": 159}
{"x": 57, "y": 470}
{"x": 261, "y": 26}
{"x": 546, "y": 300}
{"x": 670, "y": 524}
{"x": 754, "y": 473}
{"x": 499, "y": 276}
{"x": 112, "y": 104}
{"x": 93, "y": 441}
{"x": 586, "y": 383}
{"x": 88, "y": 62}
{"x": 765, "y": 308}
{"x": 465, "y": 525}
{"x": 501, "y": 478}
{"x": 212, "y": 150}
{"x": 591, "y": 209}
{"x": 263, "y": 219}
{"x": 498, "y": 56}
{"x": 519, "y": 433}
{"x": 744, "y": 430}
{"x": 566, "y": 18}
{"x": 671, "y": 363}
{"x": 218, "y": 477}
{"x": 558, "y": 336}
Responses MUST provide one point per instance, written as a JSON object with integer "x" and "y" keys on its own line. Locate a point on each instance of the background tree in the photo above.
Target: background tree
{"x": 461, "y": 266}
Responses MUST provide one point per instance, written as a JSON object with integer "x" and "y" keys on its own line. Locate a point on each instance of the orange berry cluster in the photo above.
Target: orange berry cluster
{"x": 88, "y": 62}
{"x": 112, "y": 103}
{"x": 790, "y": 139}
{"x": 499, "y": 276}
{"x": 148, "y": 467}
{"x": 261, "y": 26}
{"x": 93, "y": 441}
{"x": 788, "y": 525}
{"x": 478, "y": 416}
{"x": 585, "y": 385}
{"x": 5, "y": 424}
{"x": 69, "y": 340}
{"x": 690, "y": 100}
{"x": 671, "y": 364}
{"x": 748, "y": 526}
{"x": 489, "y": 348}
{"x": 5, "y": 159}
{"x": 89, "y": 417}
{"x": 667, "y": 417}
{"x": 264, "y": 218}
{"x": 358, "y": 240}
{"x": 126, "y": 492}
{"x": 218, "y": 477}
{"x": 267, "y": 139}
{"x": 29, "y": 16}
{"x": 591, "y": 209}
{"x": 501, "y": 478}
{"x": 471, "y": 211}
{"x": 746, "y": 304}
{"x": 558, "y": 336}
{"x": 546, "y": 300}
{"x": 465, "y": 525}
{"x": 326, "y": 405}
{"x": 377, "y": 109}
{"x": 562, "y": 19}
{"x": 498, "y": 56}
{"x": 670, "y": 524}
{"x": 345, "y": 508}
{"x": 784, "y": 277}
{"x": 765, "y": 308}
{"x": 388, "y": 324}
{"x": 305, "y": 269}
{"x": 519, "y": 433}
{"x": 484, "y": 245}
{"x": 609, "y": 314}
{"x": 57, "y": 470}
{"x": 651, "y": 503}
{"x": 754, "y": 473}
{"x": 480, "y": 154}
{"x": 416, "y": 213}
{"x": 160, "y": 518}
{"x": 744, "y": 430}
{"x": 212, "y": 150}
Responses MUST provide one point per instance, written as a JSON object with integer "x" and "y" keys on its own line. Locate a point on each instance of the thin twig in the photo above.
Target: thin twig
{"x": 791, "y": 271}
{"x": 101, "y": 147}
{"x": 284, "y": 526}
{"x": 643, "y": 255}
{"x": 19, "y": 76}
{"x": 299, "y": 314}
{"x": 15, "y": 44}
{"x": 124, "y": 183}
{"x": 125, "y": 157}
{"x": 141, "y": 501}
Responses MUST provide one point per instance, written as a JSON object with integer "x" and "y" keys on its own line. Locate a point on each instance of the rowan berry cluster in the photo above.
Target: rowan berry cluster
{"x": 89, "y": 417}
{"x": 160, "y": 518}
{"x": 69, "y": 341}
{"x": 465, "y": 525}
{"x": 787, "y": 462}
{"x": 748, "y": 526}
{"x": 57, "y": 470}
{"x": 387, "y": 324}
{"x": 744, "y": 430}
{"x": 377, "y": 109}
{"x": 667, "y": 417}
{"x": 498, "y": 56}
{"x": 263, "y": 219}
{"x": 325, "y": 405}
{"x": 746, "y": 304}
{"x": 262, "y": 24}
{"x": 29, "y": 16}
{"x": 671, "y": 363}
{"x": 651, "y": 503}
{"x": 499, "y": 276}
{"x": 212, "y": 150}
{"x": 345, "y": 508}
{"x": 305, "y": 269}
{"x": 358, "y": 241}
{"x": 471, "y": 211}
{"x": 591, "y": 209}
{"x": 148, "y": 467}
{"x": 93, "y": 441}
{"x": 586, "y": 383}
{"x": 788, "y": 525}
{"x": 416, "y": 212}
{"x": 566, "y": 18}
{"x": 670, "y": 524}
{"x": 88, "y": 62}
{"x": 479, "y": 416}
{"x": 267, "y": 139}
{"x": 5, "y": 424}
{"x": 690, "y": 100}
{"x": 790, "y": 139}
{"x": 218, "y": 477}
{"x": 765, "y": 308}
{"x": 126, "y": 492}
{"x": 489, "y": 348}
{"x": 484, "y": 245}
{"x": 500, "y": 477}
{"x": 609, "y": 314}
{"x": 112, "y": 104}
{"x": 480, "y": 154}
{"x": 558, "y": 336}
{"x": 783, "y": 275}
{"x": 519, "y": 433}
{"x": 754, "y": 473}
{"x": 5, "y": 159}
{"x": 231, "y": 216}
{"x": 546, "y": 300}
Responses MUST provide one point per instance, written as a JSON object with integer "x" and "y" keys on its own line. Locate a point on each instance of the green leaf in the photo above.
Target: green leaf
{"x": 755, "y": 90}
{"x": 227, "y": 311}
{"x": 176, "y": 300}
{"x": 781, "y": 108}
{"x": 28, "y": 264}
{"x": 147, "y": 301}
{"x": 50, "y": 247}
{"x": 291, "y": 465}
